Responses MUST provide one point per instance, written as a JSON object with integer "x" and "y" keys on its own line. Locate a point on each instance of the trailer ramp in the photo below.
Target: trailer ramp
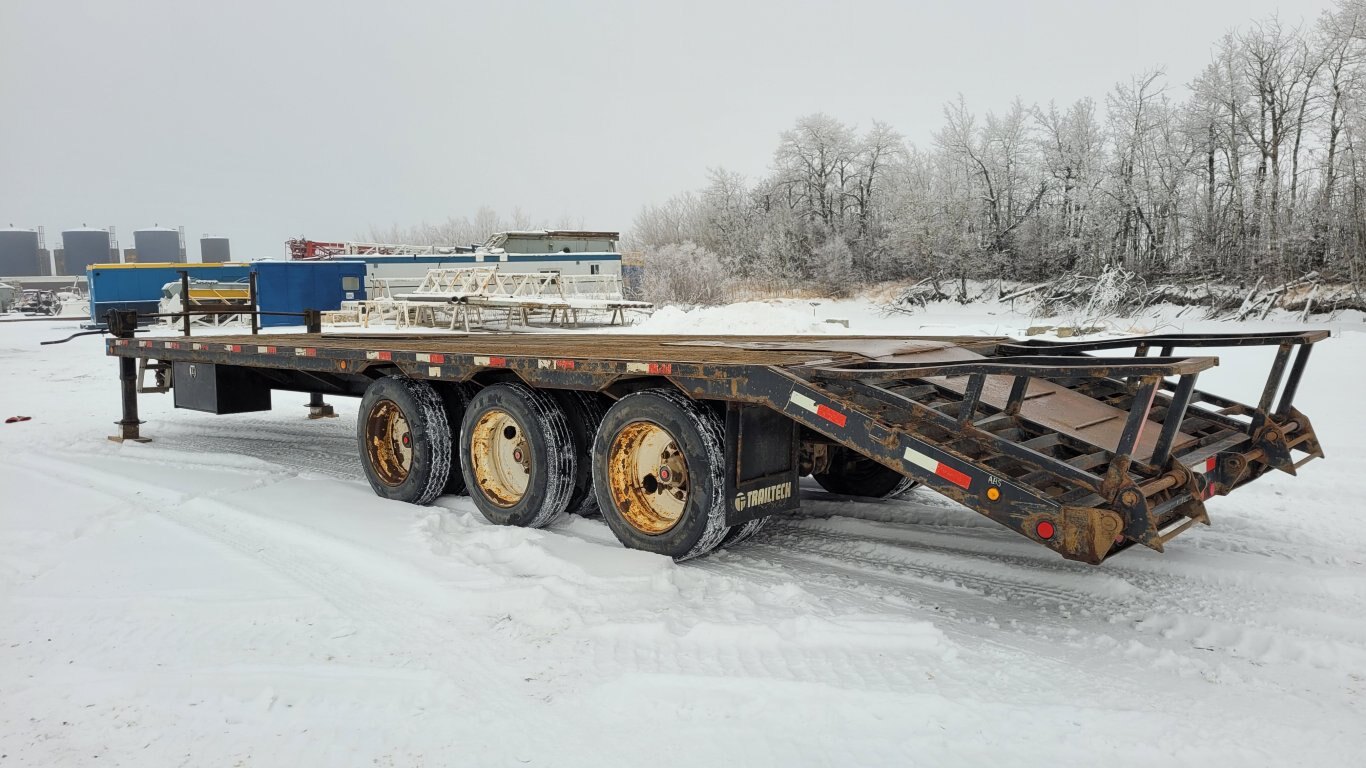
{"x": 1087, "y": 455}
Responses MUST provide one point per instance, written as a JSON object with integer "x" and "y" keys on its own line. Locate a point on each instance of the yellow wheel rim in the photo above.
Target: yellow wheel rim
{"x": 501, "y": 457}
{"x": 648, "y": 477}
{"x": 389, "y": 442}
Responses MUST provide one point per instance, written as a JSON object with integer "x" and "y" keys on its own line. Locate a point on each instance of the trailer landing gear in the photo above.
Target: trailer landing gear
{"x": 122, "y": 324}
{"x": 317, "y": 409}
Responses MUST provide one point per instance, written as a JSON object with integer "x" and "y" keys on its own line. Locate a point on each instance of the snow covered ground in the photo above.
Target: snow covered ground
{"x": 233, "y": 594}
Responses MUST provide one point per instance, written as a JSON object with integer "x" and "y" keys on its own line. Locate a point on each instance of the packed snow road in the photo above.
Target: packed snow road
{"x": 233, "y": 594}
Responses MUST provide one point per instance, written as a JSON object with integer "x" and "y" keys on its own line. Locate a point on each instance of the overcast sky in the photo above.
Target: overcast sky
{"x": 266, "y": 120}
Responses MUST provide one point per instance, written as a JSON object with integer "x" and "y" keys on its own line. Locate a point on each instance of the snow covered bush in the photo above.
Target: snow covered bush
{"x": 685, "y": 273}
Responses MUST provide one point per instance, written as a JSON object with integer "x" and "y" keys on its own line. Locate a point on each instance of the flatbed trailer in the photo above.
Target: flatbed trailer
{"x": 685, "y": 444}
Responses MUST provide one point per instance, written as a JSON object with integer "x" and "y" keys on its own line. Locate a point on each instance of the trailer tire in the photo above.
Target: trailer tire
{"x": 517, "y": 455}
{"x": 456, "y": 398}
{"x": 642, "y": 505}
{"x": 584, "y": 412}
{"x": 405, "y": 440}
{"x": 743, "y": 532}
{"x": 853, "y": 475}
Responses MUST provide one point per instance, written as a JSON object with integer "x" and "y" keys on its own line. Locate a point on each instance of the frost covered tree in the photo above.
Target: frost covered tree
{"x": 1253, "y": 168}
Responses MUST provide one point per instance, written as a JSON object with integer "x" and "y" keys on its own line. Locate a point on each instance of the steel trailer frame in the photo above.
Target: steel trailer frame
{"x": 968, "y": 417}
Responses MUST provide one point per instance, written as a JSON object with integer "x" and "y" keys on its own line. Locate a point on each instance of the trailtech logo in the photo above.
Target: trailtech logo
{"x": 761, "y": 496}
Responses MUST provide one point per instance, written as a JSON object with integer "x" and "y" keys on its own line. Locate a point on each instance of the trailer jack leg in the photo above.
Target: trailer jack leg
{"x": 317, "y": 409}
{"x": 122, "y": 324}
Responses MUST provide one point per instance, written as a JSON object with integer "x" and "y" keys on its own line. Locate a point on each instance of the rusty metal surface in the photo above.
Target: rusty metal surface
{"x": 388, "y": 441}
{"x": 647, "y": 476}
{"x": 500, "y": 456}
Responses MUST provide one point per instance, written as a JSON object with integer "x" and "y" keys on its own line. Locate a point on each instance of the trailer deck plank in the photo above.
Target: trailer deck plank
{"x": 716, "y": 350}
{"x": 1049, "y": 405}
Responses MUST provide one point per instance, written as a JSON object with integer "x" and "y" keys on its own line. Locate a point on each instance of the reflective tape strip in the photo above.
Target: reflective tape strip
{"x": 172, "y": 345}
{"x": 430, "y": 357}
{"x": 434, "y": 370}
{"x": 802, "y": 401}
{"x": 233, "y": 347}
{"x": 144, "y": 343}
{"x": 265, "y": 350}
{"x": 379, "y": 355}
{"x": 824, "y": 411}
{"x": 490, "y": 361}
{"x": 830, "y": 414}
{"x": 565, "y": 365}
{"x": 197, "y": 346}
{"x": 1207, "y": 465}
{"x": 929, "y": 463}
{"x": 654, "y": 369}
{"x": 305, "y": 352}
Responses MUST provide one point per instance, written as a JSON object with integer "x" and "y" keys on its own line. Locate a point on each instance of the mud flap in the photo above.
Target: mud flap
{"x": 761, "y": 463}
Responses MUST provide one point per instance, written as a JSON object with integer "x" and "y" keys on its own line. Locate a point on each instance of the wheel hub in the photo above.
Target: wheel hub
{"x": 389, "y": 442}
{"x": 648, "y": 477}
{"x": 500, "y": 457}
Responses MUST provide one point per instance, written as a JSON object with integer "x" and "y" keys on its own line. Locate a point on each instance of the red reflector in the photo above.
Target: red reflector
{"x": 952, "y": 475}
{"x": 830, "y": 414}
{"x": 1044, "y": 529}
{"x": 1211, "y": 463}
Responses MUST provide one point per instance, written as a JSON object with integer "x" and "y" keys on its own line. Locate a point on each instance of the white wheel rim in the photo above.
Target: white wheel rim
{"x": 648, "y": 477}
{"x": 501, "y": 457}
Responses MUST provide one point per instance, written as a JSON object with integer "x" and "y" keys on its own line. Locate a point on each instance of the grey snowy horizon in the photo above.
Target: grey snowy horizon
{"x": 261, "y": 121}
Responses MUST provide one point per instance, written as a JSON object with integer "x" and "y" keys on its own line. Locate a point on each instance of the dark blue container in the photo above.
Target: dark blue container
{"x": 138, "y": 286}
{"x": 293, "y": 286}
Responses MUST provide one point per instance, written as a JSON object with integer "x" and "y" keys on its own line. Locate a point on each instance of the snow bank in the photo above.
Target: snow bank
{"x": 749, "y": 318}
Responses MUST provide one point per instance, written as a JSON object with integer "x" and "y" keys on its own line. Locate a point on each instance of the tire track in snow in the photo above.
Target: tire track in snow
{"x": 357, "y": 582}
{"x": 1173, "y": 614}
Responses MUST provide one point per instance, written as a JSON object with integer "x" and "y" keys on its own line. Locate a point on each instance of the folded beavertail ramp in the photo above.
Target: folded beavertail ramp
{"x": 1085, "y": 447}
{"x": 1066, "y": 443}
